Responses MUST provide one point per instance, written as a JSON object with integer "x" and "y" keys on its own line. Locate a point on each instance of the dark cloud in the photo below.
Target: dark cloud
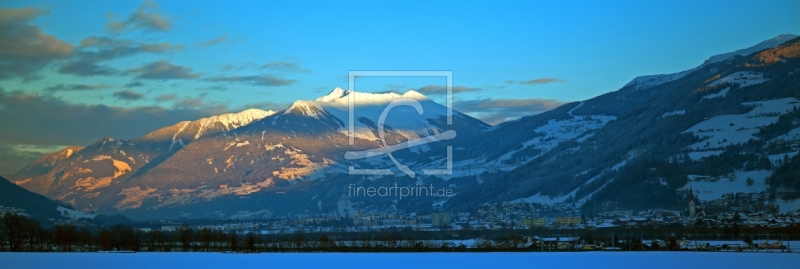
{"x": 189, "y": 103}
{"x": 128, "y": 95}
{"x": 33, "y": 119}
{"x": 20, "y": 14}
{"x": 494, "y": 111}
{"x": 217, "y": 88}
{"x": 239, "y": 66}
{"x": 216, "y": 41}
{"x": 537, "y": 81}
{"x": 166, "y": 97}
{"x": 86, "y": 68}
{"x": 284, "y": 67}
{"x": 36, "y": 124}
{"x": 442, "y": 90}
{"x": 134, "y": 84}
{"x": 281, "y": 67}
{"x": 24, "y": 48}
{"x": 145, "y": 17}
{"x": 162, "y": 70}
{"x": 266, "y": 105}
{"x": 106, "y": 48}
{"x": 76, "y": 87}
{"x": 261, "y": 80}
{"x": 95, "y": 50}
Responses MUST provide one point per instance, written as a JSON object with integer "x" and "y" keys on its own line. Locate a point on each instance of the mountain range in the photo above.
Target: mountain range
{"x": 642, "y": 146}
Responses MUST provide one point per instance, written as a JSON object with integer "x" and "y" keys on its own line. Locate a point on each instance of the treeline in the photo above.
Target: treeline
{"x": 640, "y": 185}
{"x": 786, "y": 178}
{"x": 20, "y": 233}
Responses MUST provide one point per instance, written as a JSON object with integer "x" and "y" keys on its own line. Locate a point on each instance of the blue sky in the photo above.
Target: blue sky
{"x": 154, "y": 63}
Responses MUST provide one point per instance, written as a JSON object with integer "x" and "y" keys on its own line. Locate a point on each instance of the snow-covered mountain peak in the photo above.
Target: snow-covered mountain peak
{"x": 415, "y": 95}
{"x": 236, "y": 120}
{"x": 305, "y": 108}
{"x": 339, "y": 97}
{"x": 186, "y": 131}
{"x": 337, "y": 93}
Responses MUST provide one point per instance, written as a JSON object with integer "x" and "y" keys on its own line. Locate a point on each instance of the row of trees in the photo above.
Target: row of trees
{"x": 20, "y": 233}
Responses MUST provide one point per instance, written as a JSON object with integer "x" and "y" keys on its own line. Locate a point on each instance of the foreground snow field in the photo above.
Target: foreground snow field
{"x": 403, "y": 260}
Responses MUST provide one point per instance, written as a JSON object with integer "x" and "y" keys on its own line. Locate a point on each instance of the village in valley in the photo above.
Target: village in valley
{"x": 735, "y": 222}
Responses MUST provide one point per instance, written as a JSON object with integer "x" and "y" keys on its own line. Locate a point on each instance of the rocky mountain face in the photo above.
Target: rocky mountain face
{"x": 79, "y": 175}
{"x": 711, "y": 127}
{"x": 241, "y": 156}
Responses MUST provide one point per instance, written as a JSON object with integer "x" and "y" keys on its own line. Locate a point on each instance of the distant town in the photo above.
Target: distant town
{"x": 735, "y": 222}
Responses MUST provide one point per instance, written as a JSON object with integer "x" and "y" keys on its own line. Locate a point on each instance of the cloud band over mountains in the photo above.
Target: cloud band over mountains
{"x": 495, "y": 111}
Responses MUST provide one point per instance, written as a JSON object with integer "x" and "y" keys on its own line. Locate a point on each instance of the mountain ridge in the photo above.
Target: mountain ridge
{"x": 291, "y": 161}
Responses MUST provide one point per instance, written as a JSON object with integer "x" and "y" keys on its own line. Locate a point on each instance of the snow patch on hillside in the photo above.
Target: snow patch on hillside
{"x": 721, "y": 131}
{"x": 74, "y": 214}
{"x": 792, "y": 135}
{"x": 644, "y": 82}
{"x": 574, "y": 108}
{"x": 544, "y": 199}
{"x": 302, "y": 168}
{"x": 706, "y": 189}
{"x": 673, "y": 113}
{"x": 743, "y": 78}
{"x": 721, "y": 94}
{"x": 101, "y": 157}
{"x": 272, "y": 147}
{"x": 548, "y": 136}
{"x": 134, "y": 196}
{"x": 779, "y": 157}
{"x": 558, "y": 131}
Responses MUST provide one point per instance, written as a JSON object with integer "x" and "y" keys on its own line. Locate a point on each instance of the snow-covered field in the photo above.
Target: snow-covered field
{"x": 404, "y": 260}
{"x": 708, "y": 190}
{"x": 745, "y": 78}
{"x": 721, "y": 93}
